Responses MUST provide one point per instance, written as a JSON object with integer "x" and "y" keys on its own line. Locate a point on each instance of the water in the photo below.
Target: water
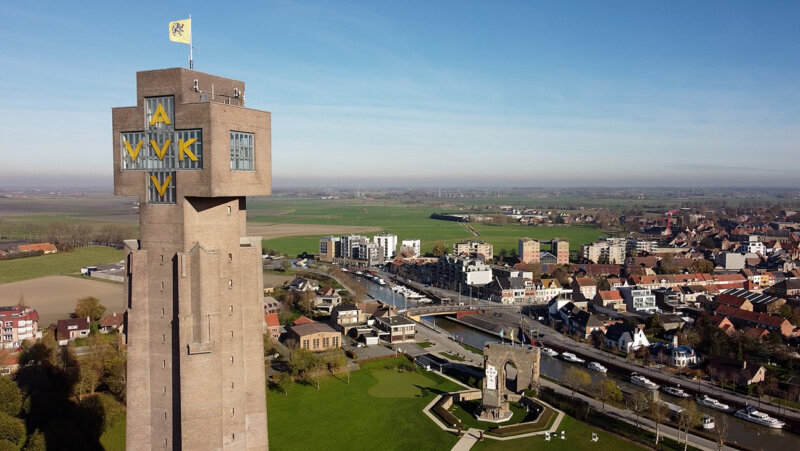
{"x": 745, "y": 433}
{"x": 385, "y": 294}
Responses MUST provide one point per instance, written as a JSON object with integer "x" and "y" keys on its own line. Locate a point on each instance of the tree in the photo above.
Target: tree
{"x": 562, "y": 275}
{"x": 608, "y": 391}
{"x": 303, "y": 300}
{"x": 638, "y": 403}
{"x": 708, "y": 243}
{"x": 438, "y": 250}
{"x": 654, "y": 321}
{"x": 11, "y": 430}
{"x": 602, "y": 284}
{"x": 115, "y": 374}
{"x": 10, "y": 397}
{"x": 659, "y": 413}
{"x": 334, "y": 360}
{"x": 284, "y": 382}
{"x": 89, "y": 307}
{"x": 702, "y": 266}
{"x": 576, "y": 378}
{"x": 36, "y": 442}
{"x": 721, "y": 432}
{"x": 686, "y": 419}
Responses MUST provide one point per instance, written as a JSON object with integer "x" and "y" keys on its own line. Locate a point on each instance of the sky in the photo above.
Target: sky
{"x": 427, "y": 93}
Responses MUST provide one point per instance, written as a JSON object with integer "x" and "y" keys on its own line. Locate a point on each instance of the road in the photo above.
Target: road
{"x": 561, "y": 342}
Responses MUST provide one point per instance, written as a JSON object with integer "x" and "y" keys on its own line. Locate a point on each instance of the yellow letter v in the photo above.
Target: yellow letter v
{"x": 161, "y": 188}
{"x": 131, "y": 152}
{"x": 160, "y": 151}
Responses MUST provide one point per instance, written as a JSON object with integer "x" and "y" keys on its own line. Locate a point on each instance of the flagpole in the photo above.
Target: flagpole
{"x": 191, "y": 56}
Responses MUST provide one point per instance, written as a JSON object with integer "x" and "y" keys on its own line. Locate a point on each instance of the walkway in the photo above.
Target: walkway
{"x": 467, "y": 440}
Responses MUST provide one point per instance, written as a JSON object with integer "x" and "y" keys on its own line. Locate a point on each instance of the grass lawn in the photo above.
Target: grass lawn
{"x": 425, "y": 344}
{"x": 113, "y": 439}
{"x": 465, "y": 412}
{"x": 342, "y": 416}
{"x": 578, "y": 436}
{"x": 54, "y": 264}
{"x": 452, "y": 356}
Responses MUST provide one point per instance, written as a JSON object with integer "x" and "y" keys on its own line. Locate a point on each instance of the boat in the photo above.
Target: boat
{"x": 597, "y": 367}
{"x": 381, "y": 281}
{"x": 570, "y": 357}
{"x": 750, "y": 413}
{"x": 705, "y": 400}
{"x": 549, "y": 352}
{"x": 638, "y": 379}
{"x": 674, "y": 391}
{"x": 359, "y": 273}
{"x": 708, "y": 422}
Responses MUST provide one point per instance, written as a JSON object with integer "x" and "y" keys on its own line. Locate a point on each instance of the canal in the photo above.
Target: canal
{"x": 744, "y": 433}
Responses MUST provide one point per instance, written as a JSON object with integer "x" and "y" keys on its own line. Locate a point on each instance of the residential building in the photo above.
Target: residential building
{"x": 740, "y": 372}
{"x": 560, "y": 248}
{"x": 529, "y": 250}
{"x": 272, "y": 327}
{"x": 547, "y": 289}
{"x": 742, "y": 319}
{"x": 674, "y": 354}
{"x": 640, "y": 300}
{"x": 330, "y": 247}
{"x": 302, "y": 284}
{"x": 19, "y": 323}
{"x": 510, "y": 290}
{"x": 641, "y": 245}
{"x": 478, "y": 249}
{"x": 734, "y": 301}
{"x": 345, "y": 316}
{"x": 389, "y": 244}
{"x": 457, "y": 273}
{"x": 752, "y": 246}
{"x": 400, "y": 328}
{"x": 315, "y": 336}
{"x": 731, "y": 260}
{"x": 349, "y": 245}
{"x": 724, "y": 324}
{"x": 412, "y": 247}
{"x": 610, "y": 300}
{"x": 609, "y": 250}
{"x": 111, "y": 323}
{"x": 272, "y": 305}
{"x": 372, "y": 254}
{"x": 669, "y": 300}
{"x": 585, "y": 286}
{"x": 45, "y": 248}
{"x": 786, "y": 288}
{"x": 70, "y": 329}
{"x": 625, "y": 337}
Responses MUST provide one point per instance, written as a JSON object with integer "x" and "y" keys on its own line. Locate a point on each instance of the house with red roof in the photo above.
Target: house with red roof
{"x": 272, "y": 326}
{"x": 611, "y": 299}
{"x": 70, "y": 329}
{"x": 19, "y": 323}
{"x": 743, "y": 318}
{"x": 734, "y": 301}
{"x": 46, "y": 248}
{"x": 723, "y": 323}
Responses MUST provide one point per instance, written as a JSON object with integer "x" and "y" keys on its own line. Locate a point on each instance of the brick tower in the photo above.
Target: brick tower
{"x": 191, "y": 151}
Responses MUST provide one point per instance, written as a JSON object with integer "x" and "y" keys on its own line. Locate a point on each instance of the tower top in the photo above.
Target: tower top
{"x": 190, "y": 135}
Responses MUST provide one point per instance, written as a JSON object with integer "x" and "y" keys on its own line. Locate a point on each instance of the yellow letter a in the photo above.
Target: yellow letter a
{"x": 161, "y": 188}
{"x": 160, "y": 116}
{"x": 160, "y": 151}
{"x": 183, "y": 147}
{"x": 133, "y": 153}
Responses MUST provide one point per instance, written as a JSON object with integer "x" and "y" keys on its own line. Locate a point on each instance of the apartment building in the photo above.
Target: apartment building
{"x": 389, "y": 244}
{"x": 451, "y": 272}
{"x": 529, "y": 250}
{"x": 412, "y": 247}
{"x": 474, "y": 248}
{"x": 330, "y": 247}
{"x": 560, "y": 248}
{"x": 19, "y": 323}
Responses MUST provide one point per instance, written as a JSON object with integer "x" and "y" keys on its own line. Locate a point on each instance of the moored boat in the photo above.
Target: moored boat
{"x": 705, "y": 400}
{"x": 708, "y": 422}
{"x": 549, "y": 352}
{"x": 570, "y": 357}
{"x": 674, "y": 391}
{"x": 750, "y": 413}
{"x": 638, "y": 379}
{"x": 596, "y": 367}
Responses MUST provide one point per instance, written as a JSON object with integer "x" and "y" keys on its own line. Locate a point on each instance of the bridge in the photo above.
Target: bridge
{"x": 459, "y": 310}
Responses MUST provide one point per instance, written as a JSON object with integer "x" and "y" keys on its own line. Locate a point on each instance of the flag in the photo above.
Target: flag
{"x": 512, "y": 334}
{"x": 501, "y": 333}
{"x": 181, "y": 31}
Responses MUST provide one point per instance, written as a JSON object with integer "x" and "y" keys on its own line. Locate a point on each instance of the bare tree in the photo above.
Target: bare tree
{"x": 721, "y": 432}
{"x": 686, "y": 419}
{"x": 638, "y": 403}
{"x": 659, "y": 414}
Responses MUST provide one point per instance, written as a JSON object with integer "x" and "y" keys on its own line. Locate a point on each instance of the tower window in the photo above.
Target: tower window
{"x": 242, "y": 151}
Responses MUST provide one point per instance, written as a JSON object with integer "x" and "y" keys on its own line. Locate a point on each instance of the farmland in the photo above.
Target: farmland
{"x": 53, "y": 264}
{"x": 406, "y": 220}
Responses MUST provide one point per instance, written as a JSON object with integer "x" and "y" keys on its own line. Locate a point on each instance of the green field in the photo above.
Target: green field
{"x": 406, "y": 220}
{"x": 113, "y": 439}
{"x": 578, "y": 437}
{"x": 54, "y": 264}
{"x": 347, "y": 417}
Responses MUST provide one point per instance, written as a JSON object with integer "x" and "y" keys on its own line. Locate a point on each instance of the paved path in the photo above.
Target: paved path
{"x": 467, "y": 440}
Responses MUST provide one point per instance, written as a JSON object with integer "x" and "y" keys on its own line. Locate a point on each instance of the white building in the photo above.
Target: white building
{"x": 413, "y": 246}
{"x": 752, "y": 245}
{"x": 640, "y": 300}
{"x": 608, "y": 250}
{"x": 389, "y": 244}
{"x": 350, "y": 244}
